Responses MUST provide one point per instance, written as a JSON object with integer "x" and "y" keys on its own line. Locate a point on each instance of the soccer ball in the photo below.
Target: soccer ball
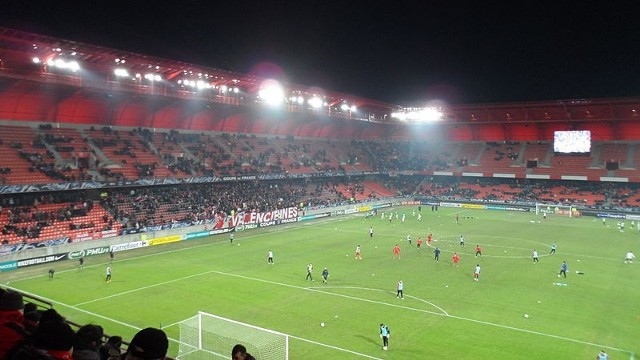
{"x": 322, "y": 324}
{"x": 384, "y": 348}
{"x": 526, "y": 315}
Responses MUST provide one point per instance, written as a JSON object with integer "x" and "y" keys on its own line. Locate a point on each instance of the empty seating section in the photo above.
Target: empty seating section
{"x": 22, "y": 162}
{"x": 128, "y": 154}
{"x": 538, "y": 152}
{"x": 616, "y": 152}
{"x": 467, "y": 154}
{"x": 498, "y": 158}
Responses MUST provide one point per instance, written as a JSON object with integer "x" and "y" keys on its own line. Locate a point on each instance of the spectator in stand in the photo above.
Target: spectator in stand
{"x": 12, "y": 330}
{"x": 88, "y": 342}
{"x": 239, "y": 352}
{"x": 111, "y": 349}
{"x": 53, "y": 339}
{"x": 147, "y": 344}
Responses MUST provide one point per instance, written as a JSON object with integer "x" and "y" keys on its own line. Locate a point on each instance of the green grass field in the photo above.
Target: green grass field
{"x": 445, "y": 314}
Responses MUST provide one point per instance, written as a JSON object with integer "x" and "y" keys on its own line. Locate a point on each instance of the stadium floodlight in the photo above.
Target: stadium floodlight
{"x": 120, "y": 72}
{"x": 271, "y": 92}
{"x": 224, "y": 88}
{"x": 315, "y": 102}
{"x": 61, "y": 63}
{"x": 152, "y": 77}
{"x": 36, "y": 60}
{"x": 344, "y": 107}
{"x": 418, "y": 114}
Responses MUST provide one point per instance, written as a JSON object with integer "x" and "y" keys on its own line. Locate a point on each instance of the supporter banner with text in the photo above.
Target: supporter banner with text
{"x": 263, "y": 217}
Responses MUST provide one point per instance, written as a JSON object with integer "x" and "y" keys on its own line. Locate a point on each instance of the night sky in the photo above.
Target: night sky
{"x": 401, "y": 52}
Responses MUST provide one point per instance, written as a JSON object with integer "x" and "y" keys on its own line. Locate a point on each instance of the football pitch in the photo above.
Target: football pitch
{"x": 445, "y": 314}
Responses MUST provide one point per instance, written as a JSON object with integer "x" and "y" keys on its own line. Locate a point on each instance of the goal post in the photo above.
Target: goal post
{"x": 207, "y": 336}
{"x": 562, "y": 210}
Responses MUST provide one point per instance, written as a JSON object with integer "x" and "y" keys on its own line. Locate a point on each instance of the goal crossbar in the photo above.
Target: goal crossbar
{"x": 205, "y": 335}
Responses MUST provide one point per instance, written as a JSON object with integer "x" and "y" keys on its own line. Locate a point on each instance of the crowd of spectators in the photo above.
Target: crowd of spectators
{"x": 31, "y": 333}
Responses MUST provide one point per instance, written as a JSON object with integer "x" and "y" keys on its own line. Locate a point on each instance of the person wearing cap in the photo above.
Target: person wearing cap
{"x": 239, "y": 352}
{"x": 12, "y": 330}
{"x": 88, "y": 342}
{"x": 148, "y": 344}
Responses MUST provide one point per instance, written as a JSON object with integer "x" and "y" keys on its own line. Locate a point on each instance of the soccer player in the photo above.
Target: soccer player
{"x": 81, "y": 262}
{"x": 456, "y": 259}
{"x": 231, "y": 237}
{"x": 358, "y": 256}
{"x": 371, "y": 231}
{"x": 400, "y": 290}
{"x": 325, "y": 275}
{"x": 628, "y": 259}
{"x": 553, "y": 248}
{"x": 429, "y": 239}
{"x": 409, "y": 239}
{"x": 436, "y": 254}
{"x": 457, "y": 219}
{"x": 534, "y": 256}
{"x": 419, "y": 217}
{"x": 384, "y": 335}
{"x": 461, "y": 240}
{"x": 419, "y": 242}
{"x": 108, "y": 278}
{"x": 111, "y": 256}
{"x": 51, "y": 272}
{"x": 478, "y": 251}
{"x": 544, "y": 215}
{"x": 563, "y": 269}
{"x": 476, "y": 273}
{"x": 403, "y": 216}
{"x": 309, "y": 271}
{"x": 270, "y": 257}
{"x": 602, "y": 355}
{"x": 396, "y": 252}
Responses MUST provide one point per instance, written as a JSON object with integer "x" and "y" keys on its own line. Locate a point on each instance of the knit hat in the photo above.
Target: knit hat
{"x": 11, "y": 301}
{"x": 149, "y": 343}
{"x": 54, "y": 335}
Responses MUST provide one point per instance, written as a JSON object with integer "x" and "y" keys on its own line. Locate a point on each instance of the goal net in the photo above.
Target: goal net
{"x": 206, "y": 336}
{"x": 562, "y": 210}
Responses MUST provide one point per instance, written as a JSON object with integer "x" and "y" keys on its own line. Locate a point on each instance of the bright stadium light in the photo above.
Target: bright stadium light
{"x": 64, "y": 64}
{"x": 315, "y": 102}
{"x": 152, "y": 77}
{"x": 344, "y": 107}
{"x": 418, "y": 114}
{"x": 119, "y": 72}
{"x": 271, "y": 92}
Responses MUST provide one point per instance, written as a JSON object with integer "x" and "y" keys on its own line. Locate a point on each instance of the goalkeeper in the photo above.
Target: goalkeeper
{"x": 384, "y": 335}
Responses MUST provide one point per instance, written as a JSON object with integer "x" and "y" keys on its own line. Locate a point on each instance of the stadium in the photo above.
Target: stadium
{"x": 181, "y": 179}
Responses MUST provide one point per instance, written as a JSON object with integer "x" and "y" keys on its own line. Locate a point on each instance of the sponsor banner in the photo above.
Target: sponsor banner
{"x": 109, "y": 233}
{"x": 87, "y": 236}
{"x": 611, "y": 215}
{"x": 364, "y": 209}
{"x": 448, "y": 204}
{"x": 515, "y": 208}
{"x": 288, "y": 221}
{"x": 269, "y": 223}
{"x": 430, "y": 203}
{"x": 382, "y": 206}
{"x": 219, "y": 231}
{"x": 411, "y": 203}
{"x": 128, "y": 246}
{"x": 246, "y": 227}
{"x": 88, "y": 252}
{"x": 264, "y": 217}
{"x": 8, "y": 265}
{"x": 316, "y": 216}
{"x": 473, "y": 206}
{"x": 165, "y": 240}
{"x": 495, "y": 207}
{"x": 350, "y": 211}
{"x": 633, "y": 217}
{"x": 41, "y": 260}
{"x": 196, "y": 235}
